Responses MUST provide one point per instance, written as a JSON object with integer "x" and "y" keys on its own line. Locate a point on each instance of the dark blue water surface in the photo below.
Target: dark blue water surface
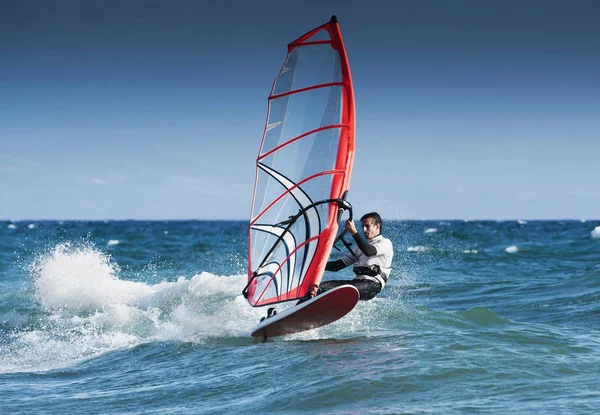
{"x": 137, "y": 317}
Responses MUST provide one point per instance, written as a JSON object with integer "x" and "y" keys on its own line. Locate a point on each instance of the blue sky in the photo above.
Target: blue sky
{"x": 155, "y": 110}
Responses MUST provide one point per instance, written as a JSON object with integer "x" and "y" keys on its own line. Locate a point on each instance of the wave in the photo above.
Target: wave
{"x": 85, "y": 309}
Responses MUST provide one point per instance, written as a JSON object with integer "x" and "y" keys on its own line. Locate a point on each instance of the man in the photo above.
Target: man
{"x": 372, "y": 258}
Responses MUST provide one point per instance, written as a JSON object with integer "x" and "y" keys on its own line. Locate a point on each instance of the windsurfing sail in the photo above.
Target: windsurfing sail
{"x": 303, "y": 168}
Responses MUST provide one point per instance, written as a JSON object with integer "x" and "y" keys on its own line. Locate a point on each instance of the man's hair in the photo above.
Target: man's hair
{"x": 376, "y": 218}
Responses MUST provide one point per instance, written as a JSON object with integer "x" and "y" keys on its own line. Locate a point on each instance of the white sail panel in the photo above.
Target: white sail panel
{"x": 308, "y": 66}
{"x": 294, "y": 115}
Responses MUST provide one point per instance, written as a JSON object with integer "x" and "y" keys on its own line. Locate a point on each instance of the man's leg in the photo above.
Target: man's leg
{"x": 367, "y": 289}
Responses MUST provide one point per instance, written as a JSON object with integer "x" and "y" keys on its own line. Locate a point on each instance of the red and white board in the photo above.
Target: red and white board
{"x": 316, "y": 312}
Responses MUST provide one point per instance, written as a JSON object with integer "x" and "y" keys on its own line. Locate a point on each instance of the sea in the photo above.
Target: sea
{"x": 147, "y": 317}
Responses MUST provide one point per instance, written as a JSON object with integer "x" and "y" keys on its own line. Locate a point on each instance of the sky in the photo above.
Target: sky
{"x": 155, "y": 109}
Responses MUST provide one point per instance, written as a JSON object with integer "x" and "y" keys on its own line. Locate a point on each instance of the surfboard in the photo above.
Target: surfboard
{"x": 316, "y": 312}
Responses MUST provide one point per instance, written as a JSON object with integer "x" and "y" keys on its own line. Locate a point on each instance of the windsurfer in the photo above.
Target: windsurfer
{"x": 372, "y": 258}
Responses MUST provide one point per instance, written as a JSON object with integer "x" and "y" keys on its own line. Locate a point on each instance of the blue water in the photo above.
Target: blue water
{"x": 134, "y": 317}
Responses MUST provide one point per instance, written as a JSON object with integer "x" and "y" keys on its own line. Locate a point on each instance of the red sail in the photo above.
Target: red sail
{"x": 305, "y": 159}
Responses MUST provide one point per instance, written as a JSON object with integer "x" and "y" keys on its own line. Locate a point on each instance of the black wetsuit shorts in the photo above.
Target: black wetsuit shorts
{"x": 367, "y": 289}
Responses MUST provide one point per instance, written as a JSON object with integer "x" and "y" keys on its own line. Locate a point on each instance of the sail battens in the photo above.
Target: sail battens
{"x": 282, "y": 195}
{"x": 316, "y": 130}
{"x": 314, "y": 42}
{"x": 308, "y": 88}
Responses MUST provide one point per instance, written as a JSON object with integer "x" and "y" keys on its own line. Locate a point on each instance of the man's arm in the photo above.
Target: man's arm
{"x": 364, "y": 246}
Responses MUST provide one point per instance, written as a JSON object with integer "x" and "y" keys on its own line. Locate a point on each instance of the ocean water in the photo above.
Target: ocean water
{"x": 146, "y": 317}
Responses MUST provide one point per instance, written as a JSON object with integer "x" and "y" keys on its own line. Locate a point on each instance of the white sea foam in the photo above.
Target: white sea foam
{"x": 31, "y": 226}
{"x": 90, "y": 310}
{"x": 113, "y": 242}
{"x": 431, "y": 230}
{"x": 512, "y": 249}
{"x": 12, "y": 226}
{"x": 417, "y": 248}
{"x": 470, "y": 251}
{"x": 596, "y": 232}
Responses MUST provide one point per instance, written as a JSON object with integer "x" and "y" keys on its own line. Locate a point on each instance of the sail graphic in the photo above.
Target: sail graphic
{"x": 303, "y": 168}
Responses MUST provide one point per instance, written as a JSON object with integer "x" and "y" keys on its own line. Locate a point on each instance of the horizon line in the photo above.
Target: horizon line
{"x": 247, "y": 220}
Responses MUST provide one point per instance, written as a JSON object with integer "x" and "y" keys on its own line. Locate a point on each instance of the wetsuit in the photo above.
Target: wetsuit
{"x": 373, "y": 262}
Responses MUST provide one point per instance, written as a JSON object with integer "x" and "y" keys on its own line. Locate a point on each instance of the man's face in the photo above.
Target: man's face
{"x": 370, "y": 228}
